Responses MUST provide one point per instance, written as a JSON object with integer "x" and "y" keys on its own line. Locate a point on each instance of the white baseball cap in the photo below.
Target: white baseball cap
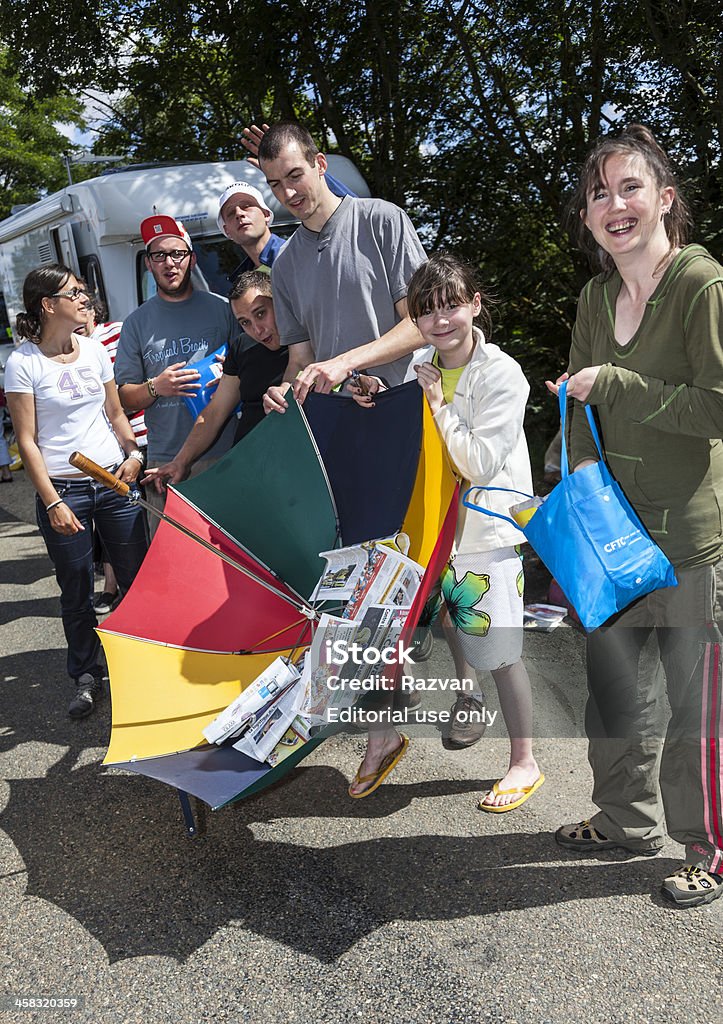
{"x": 241, "y": 188}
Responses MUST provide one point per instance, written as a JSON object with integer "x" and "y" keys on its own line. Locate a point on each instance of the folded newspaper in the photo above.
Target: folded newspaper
{"x": 271, "y": 723}
{"x": 378, "y": 583}
{"x": 272, "y": 717}
{"x": 373, "y": 573}
{"x": 244, "y": 710}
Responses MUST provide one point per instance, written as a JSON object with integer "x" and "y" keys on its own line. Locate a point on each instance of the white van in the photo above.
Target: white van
{"x": 92, "y": 227}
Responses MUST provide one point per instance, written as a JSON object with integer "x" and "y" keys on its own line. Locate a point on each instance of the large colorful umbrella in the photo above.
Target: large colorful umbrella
{"x": 225, "y": 588}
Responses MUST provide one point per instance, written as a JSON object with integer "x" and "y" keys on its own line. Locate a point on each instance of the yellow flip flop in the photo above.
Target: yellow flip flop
{"x": 388, "y": 765}
{"x": 525, "y": 794}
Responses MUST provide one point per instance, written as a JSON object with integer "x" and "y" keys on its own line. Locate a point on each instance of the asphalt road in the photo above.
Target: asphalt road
{"x": 301, "y": 904}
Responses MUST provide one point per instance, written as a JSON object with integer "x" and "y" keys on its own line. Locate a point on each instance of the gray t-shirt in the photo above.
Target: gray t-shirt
{"x": 160, "y": 333}
{"x": 337, "y": 288}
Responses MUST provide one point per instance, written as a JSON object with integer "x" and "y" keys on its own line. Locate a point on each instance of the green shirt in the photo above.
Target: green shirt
{"x": 659, "y": 400}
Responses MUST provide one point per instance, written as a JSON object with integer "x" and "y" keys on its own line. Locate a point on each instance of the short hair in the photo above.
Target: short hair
{"x": 446, "y": 281}
{"x": 41, "y": 283}
{"x": 634, "y": 140}
{"x": 251, "y": 279}
{"x": 284, "y": 134}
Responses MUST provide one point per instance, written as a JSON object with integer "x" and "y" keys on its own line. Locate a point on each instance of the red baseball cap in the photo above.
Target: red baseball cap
{"x": 161, "y": 226}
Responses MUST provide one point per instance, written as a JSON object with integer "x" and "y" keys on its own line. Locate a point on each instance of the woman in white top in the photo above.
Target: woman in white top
{"x": 62, "y": 398}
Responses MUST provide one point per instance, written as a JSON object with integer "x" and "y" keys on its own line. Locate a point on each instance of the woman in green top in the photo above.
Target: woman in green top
{"x": 647, "y": 354}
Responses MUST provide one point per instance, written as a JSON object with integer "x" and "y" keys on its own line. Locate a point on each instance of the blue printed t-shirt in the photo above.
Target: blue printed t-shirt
{"x": 160, "y": 333}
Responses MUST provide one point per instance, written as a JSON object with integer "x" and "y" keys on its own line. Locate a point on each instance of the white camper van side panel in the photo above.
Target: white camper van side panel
{"x": 100, "y": 218}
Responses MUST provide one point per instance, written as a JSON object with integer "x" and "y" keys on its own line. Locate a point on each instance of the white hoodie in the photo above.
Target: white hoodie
{"x": 482, "y": 430}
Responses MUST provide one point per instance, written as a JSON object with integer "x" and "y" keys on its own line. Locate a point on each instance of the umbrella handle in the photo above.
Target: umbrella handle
{"x": 100, "y": 475}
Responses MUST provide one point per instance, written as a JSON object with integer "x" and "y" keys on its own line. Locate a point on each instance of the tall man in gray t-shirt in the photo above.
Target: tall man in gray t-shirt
{"x": 340, "y": 283}
{"x": 340, "y": 287}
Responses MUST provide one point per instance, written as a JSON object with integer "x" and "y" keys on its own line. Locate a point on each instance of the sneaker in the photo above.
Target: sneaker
{"x": 105, "y": 602}
{"x": 409, "y": 699}
{"x": 691, "y": 886}
{"x": 585, "y": 838}
{"x": 88, "y": 691}
{"x": 468, "y": 720}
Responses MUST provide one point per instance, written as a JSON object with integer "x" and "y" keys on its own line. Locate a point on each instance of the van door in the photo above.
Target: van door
{"x": 65, "y": 246}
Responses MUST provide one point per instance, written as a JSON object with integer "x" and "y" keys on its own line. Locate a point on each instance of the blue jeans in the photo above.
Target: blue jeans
{"x": 120, "y": 526}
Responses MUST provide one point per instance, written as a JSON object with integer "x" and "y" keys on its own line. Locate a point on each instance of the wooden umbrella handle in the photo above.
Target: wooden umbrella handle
{"x": 102, "y": 476}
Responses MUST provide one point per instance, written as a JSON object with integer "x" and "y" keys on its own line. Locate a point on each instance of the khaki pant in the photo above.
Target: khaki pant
{"x": 652, "y": 765}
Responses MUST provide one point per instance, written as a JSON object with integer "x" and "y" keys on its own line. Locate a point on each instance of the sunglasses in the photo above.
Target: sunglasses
{"x": 72, "y": 293}
{"x": 177, "y": 255}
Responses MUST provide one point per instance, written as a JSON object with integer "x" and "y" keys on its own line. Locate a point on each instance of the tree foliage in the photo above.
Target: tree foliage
{"x": 31, "y": 145}
{"x": 474, "y": 114}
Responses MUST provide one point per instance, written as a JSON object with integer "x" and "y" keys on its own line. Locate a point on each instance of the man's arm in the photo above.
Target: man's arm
{"x": 401, "y": 340}
{"x": 203, "y": 434}
{"x": 300, "y": 355}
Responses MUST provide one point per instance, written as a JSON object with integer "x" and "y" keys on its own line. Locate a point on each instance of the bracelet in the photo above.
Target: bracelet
{"x": 54, "y": 504}
{"x": 151, "y": 388}
{"x": 136, "y": 454}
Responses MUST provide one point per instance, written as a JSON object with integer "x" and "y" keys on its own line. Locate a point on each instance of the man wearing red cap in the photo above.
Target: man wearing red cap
{"x": 163, "y": 338}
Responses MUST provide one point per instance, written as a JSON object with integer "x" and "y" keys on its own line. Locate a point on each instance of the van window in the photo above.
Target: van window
{"x": 146, "y": 285}
{"x": 90, "y": 271}
{"x": 5, "y": 333}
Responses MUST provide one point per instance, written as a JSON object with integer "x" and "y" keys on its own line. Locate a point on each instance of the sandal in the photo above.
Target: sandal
{"x": 585, "y": 838}
{"x": 387, "y": 766}
{"x": 691, "y": 886}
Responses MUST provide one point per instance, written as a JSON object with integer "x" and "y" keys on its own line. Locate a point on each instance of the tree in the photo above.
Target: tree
{"x": 31, "y": 146}
{"x": 474, "y": 114}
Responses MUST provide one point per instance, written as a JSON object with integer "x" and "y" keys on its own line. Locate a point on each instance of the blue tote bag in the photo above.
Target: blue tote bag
{"x": 591, "y": 539}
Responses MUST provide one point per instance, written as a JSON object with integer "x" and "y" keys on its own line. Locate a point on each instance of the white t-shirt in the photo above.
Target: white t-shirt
{"x": 69, "y": 404}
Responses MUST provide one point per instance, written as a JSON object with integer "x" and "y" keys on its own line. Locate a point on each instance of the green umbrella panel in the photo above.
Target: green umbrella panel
{"x": 272, "y": 496}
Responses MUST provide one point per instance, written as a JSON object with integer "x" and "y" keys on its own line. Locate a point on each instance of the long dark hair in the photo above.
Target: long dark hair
{"x": 445, "y": 281}
{"x": 38, "y": 285}
{"x": 635, "y": 140}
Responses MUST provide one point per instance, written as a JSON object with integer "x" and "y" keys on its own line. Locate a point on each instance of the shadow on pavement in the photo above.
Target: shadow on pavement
{"x": 109, "y": 849}
{"x": 29, "y": 569}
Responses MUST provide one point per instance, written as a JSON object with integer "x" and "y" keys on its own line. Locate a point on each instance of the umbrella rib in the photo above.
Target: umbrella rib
{"x": 322, "y": 467}
{"x": 300, "y": 605}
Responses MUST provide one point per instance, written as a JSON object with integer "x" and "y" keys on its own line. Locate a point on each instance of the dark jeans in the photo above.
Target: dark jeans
{"x": 120, "y": 526}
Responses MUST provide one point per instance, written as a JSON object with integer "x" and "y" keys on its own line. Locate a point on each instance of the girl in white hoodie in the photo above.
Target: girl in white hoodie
{"x": 477, "y": 395}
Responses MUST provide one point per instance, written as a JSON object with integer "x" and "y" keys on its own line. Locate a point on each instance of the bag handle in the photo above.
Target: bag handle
{"x": 562, "y": 398}
{"x": 564, "y": 465}
{"x": 485, "y": 511}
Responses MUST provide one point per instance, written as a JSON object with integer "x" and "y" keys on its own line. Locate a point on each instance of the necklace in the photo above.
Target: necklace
{"x": 64, "y": 357}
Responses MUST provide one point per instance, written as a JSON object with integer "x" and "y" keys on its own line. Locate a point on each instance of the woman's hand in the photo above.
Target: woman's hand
{"x": 554, "y": 386}
{"x": 63, "y": 520}
{"x": 579, "y": 385}
{"x": 129, "y": 470}
{"x": 430, "y": 381}
{"x": 274, "y": 400}
{"x": 364, "y": 389}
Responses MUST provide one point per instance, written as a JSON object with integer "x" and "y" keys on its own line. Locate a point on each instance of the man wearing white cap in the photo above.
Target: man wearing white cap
{"x": 244, "y": 217}
{"x": 163, "y": 338}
